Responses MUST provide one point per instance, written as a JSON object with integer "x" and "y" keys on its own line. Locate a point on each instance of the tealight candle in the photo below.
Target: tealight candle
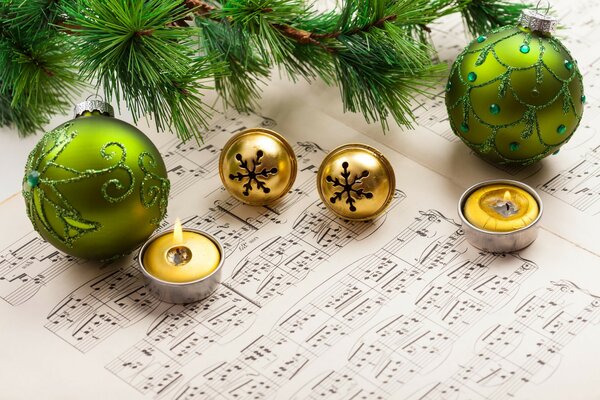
{"x": 182, "y": 265}
{"x": 501, "y": 208}
{"x": 500, "y": 215}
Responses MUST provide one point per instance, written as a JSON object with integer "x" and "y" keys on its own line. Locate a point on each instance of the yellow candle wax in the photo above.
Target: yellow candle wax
{"x": 179, "y": 259}
{"x": 501, "y": 208}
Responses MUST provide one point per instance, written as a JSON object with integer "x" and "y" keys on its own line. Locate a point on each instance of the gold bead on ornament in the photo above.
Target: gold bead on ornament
{"x": 257, "y": 166}
{"x": 356, "y": 182}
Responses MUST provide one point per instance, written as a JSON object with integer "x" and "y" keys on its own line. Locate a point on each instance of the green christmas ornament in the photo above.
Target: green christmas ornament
{"x": 515, "y": 95}
{"x": 95, "y": 187}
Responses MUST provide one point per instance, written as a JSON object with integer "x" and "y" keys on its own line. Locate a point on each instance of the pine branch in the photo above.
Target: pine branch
{"x": 180, "y": 100}
{"x": 37, "y": 78}
{"x": 26, "y": 120}
{"x": 383, "y": 85}
{"x": 366, "y": 49}
{"x": 245, "y": 69}
{"x": 140, "y": 54}
{"x": 35, "y": 16}
{"x": 157, "y": 55}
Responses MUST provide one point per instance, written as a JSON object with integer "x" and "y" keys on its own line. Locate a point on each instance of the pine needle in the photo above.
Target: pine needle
{"x": 136, "y": 52}
{"x": 481, "y": 16}
{"x": 160, "y": 56}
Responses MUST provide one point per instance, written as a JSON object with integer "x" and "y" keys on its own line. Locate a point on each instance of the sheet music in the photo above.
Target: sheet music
{"x": 312, "y": 306}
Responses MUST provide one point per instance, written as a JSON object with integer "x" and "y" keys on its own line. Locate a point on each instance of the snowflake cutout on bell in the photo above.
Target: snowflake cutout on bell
{"x": 95, "y": 187}
{"x": 257, "y": 166}
{"x": 515, "y": 95}
{"x": 356, "y": 182}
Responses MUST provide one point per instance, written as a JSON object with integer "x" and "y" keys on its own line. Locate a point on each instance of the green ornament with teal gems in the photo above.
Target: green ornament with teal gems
{"x": 516, "y": 95}
{"x": 95, "y": 187}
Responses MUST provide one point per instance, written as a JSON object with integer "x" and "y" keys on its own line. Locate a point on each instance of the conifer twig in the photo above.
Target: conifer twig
{"x": 158, "y": 56}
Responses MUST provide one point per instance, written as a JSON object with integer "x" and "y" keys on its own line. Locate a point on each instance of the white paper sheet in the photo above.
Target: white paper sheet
{"x": 312, "y": 306}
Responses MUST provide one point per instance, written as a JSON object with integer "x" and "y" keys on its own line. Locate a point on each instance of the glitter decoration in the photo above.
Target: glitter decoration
{"x": 45, "y": 195}
{"x": 153, "y": 187}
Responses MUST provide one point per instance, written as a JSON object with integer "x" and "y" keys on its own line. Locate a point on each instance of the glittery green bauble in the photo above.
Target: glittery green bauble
{"x": 515, "y": 96}
{"x": 95, "y": 187}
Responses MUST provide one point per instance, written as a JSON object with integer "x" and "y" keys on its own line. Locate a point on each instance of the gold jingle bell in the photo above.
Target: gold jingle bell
{"x": 257, "y": 166}
{"x": 356, "y": 182}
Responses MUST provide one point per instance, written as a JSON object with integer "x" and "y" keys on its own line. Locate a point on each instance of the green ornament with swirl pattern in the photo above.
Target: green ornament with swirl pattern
{"x": 95, "y": 187}
{"x": 516, "y": 95}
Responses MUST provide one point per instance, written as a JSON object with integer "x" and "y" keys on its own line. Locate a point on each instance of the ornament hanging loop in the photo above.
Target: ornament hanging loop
{"x": 94, "y": 96}
{"x": 537, "y": 7}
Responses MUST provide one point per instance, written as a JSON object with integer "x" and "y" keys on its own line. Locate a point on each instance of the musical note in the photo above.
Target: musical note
{"x": 461, "y": 290}
{"x": 101, "y": 307}
{"x": 277, "y": 264}
{"x": 526, "y": 349}
{"x": 29, "y": 264}
{"x": 578, "y": 186}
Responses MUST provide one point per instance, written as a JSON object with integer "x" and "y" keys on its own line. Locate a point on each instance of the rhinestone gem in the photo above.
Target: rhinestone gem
{"x": 569, "y": 64}
{"x": 33, "y": 179}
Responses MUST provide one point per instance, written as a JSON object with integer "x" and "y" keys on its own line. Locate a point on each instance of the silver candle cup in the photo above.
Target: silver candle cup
{"x": 500, "y": 242}
{"x": 182, "y": 292}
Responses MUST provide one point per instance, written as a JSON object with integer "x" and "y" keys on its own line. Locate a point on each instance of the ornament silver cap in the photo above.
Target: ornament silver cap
{"x": 94, "y": 105}
{"x": 538, "y": 22}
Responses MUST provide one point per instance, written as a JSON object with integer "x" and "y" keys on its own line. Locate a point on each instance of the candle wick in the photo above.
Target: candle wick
{"x": 505, "y": 208}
